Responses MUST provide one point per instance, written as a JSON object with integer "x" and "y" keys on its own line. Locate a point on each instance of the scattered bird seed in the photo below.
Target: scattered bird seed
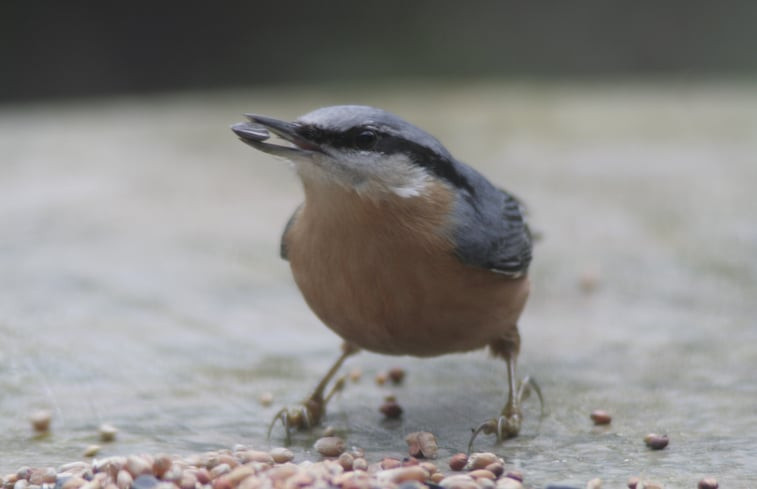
{"x": 390, "y": 408}
{"x": 595, "y": 483}
{"x": 632, "y": 482}
{"x": 588, "y": 281}
{"x": 188, "y": 481}
{"x": 360, "y": 464}
{"x": 41, "y": 476}
{"x": 437, "y": 477}
{"x": 498, "y": 469}
{"x": 482, "y": 459}
{"x": 265, "y": 399}
{"x": 422, "y": 444}
{"x": 399, "y": 475}
{"x": 356, "y": 374}
{"x": 246, "y": 468}
{"x": 346, "y": 460}
{"x": 41, "y": 420}
{"x": 407, "y": 461}
{"x": 329, "y": 446}
{"x": 515, "y": 475}
{"x": 381, "y": 378}
{"x": 161, "y": 466}
{"x": 708, "y": 483}
{"x": 137, "y": 466}
{"x": 389, "y": 463}
{"x": 145, "y": 481}
{"x": 107, "y": 432}
{"x": 282, "y": 455}
{"x": 396, "y": 375}
{"x": 458, "y": 461}
{"x": 203, "y": 476}
{"x": 219, "y": 470}
{"x": 600, "y": 417}
{"x": 24, "y": 473}
{"x": 258, "y": 456}
{"x": 482, "y": 474}
{"x": 508, "y": 483}
{"x": 124, "y": 480}
{"x": 484, "y": 483}
{"x": 91, "y": 450}
{"x": 458, "y": 481}
{"x": 655, "y": 441}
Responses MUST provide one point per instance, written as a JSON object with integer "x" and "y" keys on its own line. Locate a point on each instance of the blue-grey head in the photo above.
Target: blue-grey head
{"x": 362, "y": 148}
{"x": 379, "y": 155}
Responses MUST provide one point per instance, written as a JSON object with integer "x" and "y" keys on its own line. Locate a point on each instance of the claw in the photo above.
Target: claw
{"x": 291, "y": 419}
{"x": 283, "y": 416}
{"x": 504, "y": 426}
{"x": 524, "y": 391}
{"x": 313, "y": 408}
{"x": 487, "y": 427}
{"x": 508, "y": 423}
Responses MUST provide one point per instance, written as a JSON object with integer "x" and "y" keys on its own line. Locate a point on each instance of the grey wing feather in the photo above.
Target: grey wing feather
{"x": 512, "y": 247}
{"x": 283, "y": 249}
{"x": 491, "y": 229}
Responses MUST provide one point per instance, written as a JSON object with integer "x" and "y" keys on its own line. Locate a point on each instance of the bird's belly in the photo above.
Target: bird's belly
{"x": 383, "y": 274}
{"x": 407, "y": 301}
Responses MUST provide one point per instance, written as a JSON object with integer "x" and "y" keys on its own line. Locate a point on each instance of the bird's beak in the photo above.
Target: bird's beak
{"x": 256, "y": 131}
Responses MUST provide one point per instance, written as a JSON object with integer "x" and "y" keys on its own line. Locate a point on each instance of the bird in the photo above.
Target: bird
{"x": 399, "y": 248}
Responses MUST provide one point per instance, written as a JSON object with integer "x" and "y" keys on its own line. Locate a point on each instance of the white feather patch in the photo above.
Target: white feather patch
{"x": 370, "y": 174}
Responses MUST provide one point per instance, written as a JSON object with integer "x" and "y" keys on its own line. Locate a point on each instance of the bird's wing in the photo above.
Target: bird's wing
{"x": 283, "y": 247}
{"x": 512, "y": 244}
{"x": 491, "y": 230}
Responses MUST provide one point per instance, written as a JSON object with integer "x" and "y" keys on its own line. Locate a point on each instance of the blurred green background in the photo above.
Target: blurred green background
{"x": 76, "y": 48}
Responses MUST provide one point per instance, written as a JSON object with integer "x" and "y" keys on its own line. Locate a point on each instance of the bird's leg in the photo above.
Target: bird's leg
{"x": 312, "y": 409}
{"x": 507, "y": 424}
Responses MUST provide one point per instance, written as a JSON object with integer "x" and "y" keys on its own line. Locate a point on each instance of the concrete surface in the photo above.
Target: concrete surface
{"x": 140, "y": 283}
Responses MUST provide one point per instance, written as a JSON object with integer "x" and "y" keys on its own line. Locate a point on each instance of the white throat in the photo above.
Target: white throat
{"x": 371, "y": 175}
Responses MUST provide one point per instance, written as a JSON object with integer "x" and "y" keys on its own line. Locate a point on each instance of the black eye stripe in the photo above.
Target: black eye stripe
{"x": 340, "y": 139}
{"x": 389, "y": 144}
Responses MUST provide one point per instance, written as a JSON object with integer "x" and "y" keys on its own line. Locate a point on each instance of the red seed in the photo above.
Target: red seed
{"x": 458, "y": 461}
{"x": 391, "y": 409}
{"x": 600, "y": 417}
{"x": 397, "y": 375}
{"x": 656, "y": 442}
{"x": 708, "y": 483}
{"x": 41, "y": 420}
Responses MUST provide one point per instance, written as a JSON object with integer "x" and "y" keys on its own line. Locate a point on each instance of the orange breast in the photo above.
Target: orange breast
{"x": 383, "y": 275}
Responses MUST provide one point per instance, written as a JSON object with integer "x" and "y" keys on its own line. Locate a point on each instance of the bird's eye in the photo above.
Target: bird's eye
{"x": 365, "y": 140}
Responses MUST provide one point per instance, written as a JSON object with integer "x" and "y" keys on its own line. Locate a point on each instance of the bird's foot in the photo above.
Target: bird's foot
{"x": 308, "y": 414}
{"x": 300, "y": 417}
{"x": 504, "y": 426}
{"x": 508, "y": 423}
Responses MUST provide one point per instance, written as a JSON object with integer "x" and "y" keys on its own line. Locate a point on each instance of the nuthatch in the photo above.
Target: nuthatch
{"x": 399, "y": 248}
